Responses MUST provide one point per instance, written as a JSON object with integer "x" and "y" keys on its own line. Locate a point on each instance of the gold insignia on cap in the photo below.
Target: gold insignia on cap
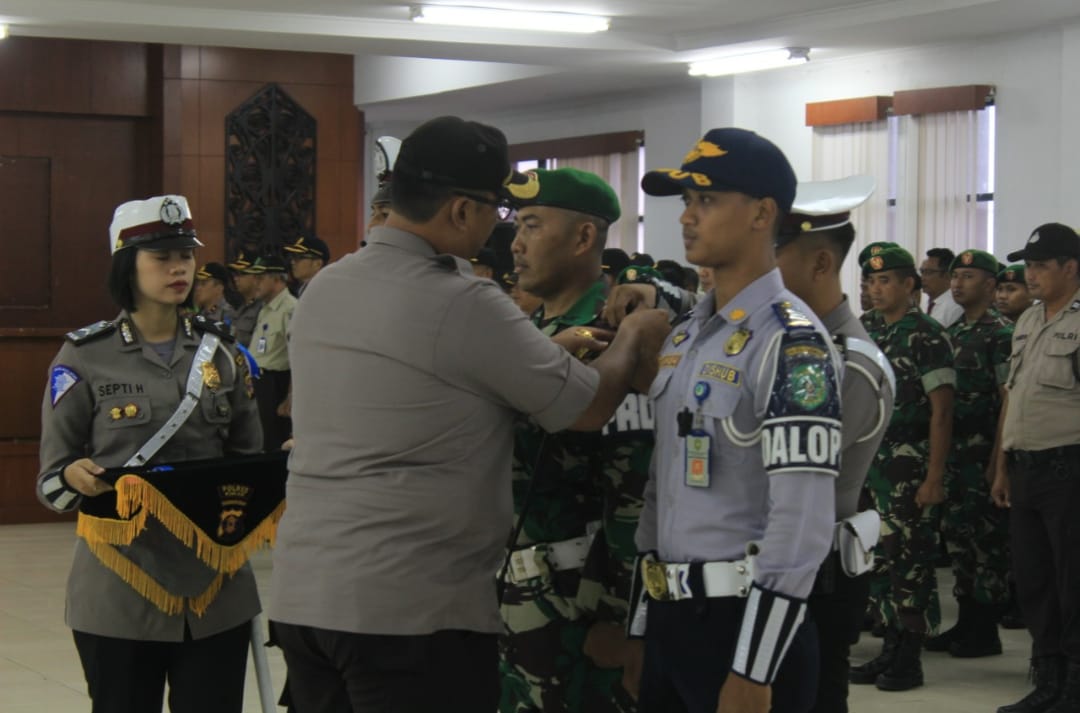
{"x": 876, "y": 263}
{"x": 876, "y": 249}
{"x": 736, "y": 342}
{"x": 704, "y": 149}
{"x": 116, "y": 413}
{"x": 131, "y": 410}
{"x": 210, "y": 376}
{"x": 737, "y": 314}
{"x": 631, "y": 274}
{"x": 1009, "y": 276}
{"x": 806, "y": 226}
{"x": 525, "y": 191}
{"x": 967, "y": 258}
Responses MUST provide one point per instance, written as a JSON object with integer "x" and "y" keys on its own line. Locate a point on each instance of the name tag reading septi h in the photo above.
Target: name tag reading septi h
{"x": 698, "y": 445}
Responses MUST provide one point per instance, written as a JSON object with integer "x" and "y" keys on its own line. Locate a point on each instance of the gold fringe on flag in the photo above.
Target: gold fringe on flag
{"x": 136, "y": 499}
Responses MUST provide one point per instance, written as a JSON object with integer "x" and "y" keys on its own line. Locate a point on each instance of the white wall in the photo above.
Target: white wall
{"x": 671, "y": 120}
{"x": 1037, "y": 76}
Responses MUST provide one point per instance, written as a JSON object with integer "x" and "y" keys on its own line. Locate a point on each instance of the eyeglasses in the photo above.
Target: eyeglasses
{"x": 503, "y": 206}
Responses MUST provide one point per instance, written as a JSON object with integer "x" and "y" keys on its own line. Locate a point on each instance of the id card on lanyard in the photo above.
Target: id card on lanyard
{"x": 260, "y": 346}
{"x": 698, "y": 443}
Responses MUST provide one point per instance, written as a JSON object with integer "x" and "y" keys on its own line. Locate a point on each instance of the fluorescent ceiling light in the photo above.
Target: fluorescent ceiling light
{"x": 753, "y": 62}
{"x": 508, "y": 19}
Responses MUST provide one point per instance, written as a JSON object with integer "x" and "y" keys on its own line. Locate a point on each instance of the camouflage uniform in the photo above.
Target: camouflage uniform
{"x": 585, "y": 480}
{"x": 904, "y": 586}
{"x": 975, "y": 530}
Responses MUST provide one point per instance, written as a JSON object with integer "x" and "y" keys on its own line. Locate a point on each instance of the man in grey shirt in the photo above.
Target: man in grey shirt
{"x": 399, "y": 501}
{"x": 810, "y": 250}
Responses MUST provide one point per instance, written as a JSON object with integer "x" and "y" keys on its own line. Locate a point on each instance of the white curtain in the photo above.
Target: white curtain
{"x": 846, "y": 150}
{"x": 621, "y": 173}
{"x": 948, "y": 182}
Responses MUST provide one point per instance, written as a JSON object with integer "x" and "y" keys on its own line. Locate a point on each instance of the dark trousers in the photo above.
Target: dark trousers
{"x": 836, "y": 607}
{"x": 689, "y": 647}
{"x": 1044, "y": 527}
{"x": 271, "y": 388}
{"x": 342, "y": 672}
{"x": 128, "y": 676}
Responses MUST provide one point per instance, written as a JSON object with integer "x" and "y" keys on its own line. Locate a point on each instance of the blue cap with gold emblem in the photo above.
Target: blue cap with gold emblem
{"x": 729, "y": 160}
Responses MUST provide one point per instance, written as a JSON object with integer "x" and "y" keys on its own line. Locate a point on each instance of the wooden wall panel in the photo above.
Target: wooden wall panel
{"x": 24, "y": 215}
{"x": 18, "y": 475}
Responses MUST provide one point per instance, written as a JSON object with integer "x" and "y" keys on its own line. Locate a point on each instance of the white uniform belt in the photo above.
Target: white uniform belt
{"x": 541, "y": 558}
{"x": 671, "y": 582}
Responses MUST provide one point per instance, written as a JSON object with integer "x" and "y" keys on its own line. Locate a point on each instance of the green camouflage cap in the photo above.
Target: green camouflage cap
{"x": 894, "y": 258}
{"x": 570, "y": 189}
{"x": 873, "y": 249}
{"x": 1012, "y": 273}
{"x": 976, "y": 258}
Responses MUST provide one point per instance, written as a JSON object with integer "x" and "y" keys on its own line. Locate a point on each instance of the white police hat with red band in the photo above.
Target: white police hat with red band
{"x": 158, "y": 223}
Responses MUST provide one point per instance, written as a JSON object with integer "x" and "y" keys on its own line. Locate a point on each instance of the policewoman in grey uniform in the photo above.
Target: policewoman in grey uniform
{"x": 112, "y": 386}
{"x": 739, "y": 509}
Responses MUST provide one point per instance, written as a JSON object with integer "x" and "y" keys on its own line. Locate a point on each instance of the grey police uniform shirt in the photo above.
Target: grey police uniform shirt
{"x": 89, "y": 380}
{"x": 773, "y": 417}
{"x": 399, "y": 488}
{"x": 244, "y": 321}
{"x": 867, "y": 396}
{"x": 1044, "y": 389}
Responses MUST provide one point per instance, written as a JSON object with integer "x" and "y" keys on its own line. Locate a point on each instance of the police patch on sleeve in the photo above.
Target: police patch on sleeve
{"x": 61, "y": 380}
{"x": 801, "y": 432}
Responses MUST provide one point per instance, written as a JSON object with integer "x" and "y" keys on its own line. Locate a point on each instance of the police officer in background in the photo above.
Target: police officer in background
{"x": 810, "y": 251}
{"x": 974, "y": 530}
{"x": 269, "y": 346}
{"x": 246, "y": 313}
{"x": 307, "y": 255}
{"x": 739, "y": 509}
{"x": 1012, "y": 296}
{"x": 214, "y": 296}
{"x": 907, "y": 479}
{"x": 1038, "y": 475}
{"x": 577, "y": 496}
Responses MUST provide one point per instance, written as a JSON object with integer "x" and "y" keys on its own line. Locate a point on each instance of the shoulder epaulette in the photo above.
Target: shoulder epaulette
{"x": 202, "y": 324}
{"x": 91, "y": 332}
{"x": 792, "y": 319}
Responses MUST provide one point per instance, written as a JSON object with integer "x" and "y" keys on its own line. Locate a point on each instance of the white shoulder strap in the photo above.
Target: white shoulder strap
{"x": 874, "y": 354}
{"x": 207, "y": 347}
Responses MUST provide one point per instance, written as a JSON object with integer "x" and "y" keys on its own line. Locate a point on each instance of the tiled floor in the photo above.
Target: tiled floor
{"x": 40, "y": 672}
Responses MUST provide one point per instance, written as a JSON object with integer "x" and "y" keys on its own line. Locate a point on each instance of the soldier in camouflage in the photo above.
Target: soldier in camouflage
{"x": 1012, "y": 296}
{"x": 578, "y": 495}
{"x": 869, "y": 317}
{"x": 974, "y": 530}
{"x": 906, "y": 480}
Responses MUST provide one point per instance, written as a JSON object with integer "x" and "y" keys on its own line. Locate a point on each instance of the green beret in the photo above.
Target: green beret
{"x": 1012, "y": 273}
{"x": 976, "y": 258}
{"x": 570, "y": 189}
{"x": 637, "y": 273}
{"x": 894, "y": 258}
{"x": 873, "y": 249}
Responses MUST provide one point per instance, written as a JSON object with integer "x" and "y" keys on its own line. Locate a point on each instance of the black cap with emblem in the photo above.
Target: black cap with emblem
{"x": 1049, "y": 241}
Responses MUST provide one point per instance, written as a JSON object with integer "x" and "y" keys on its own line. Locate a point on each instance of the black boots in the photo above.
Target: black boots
{"x": 868, "y": 672}
{"x": 905, "y": 672}
{"x": 975, "y": 634}
{"x": 945, "y": 639}
{"x": 1069, "y": 702}
{"x": 1048, "y": 674}
{"x": 981, "y": 635}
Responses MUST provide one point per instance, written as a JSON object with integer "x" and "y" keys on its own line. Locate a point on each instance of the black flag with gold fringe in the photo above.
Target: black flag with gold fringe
{"x": 174, "y": 532}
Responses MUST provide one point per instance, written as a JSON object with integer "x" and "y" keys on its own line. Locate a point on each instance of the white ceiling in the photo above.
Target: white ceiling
{"x": 648, "y": 44}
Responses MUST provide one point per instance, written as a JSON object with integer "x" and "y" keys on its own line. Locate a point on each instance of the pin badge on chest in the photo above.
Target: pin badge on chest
{"x": 680, "y": 337}
{"x": 210, "y": 376}
{"x": 737, "y": 341}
